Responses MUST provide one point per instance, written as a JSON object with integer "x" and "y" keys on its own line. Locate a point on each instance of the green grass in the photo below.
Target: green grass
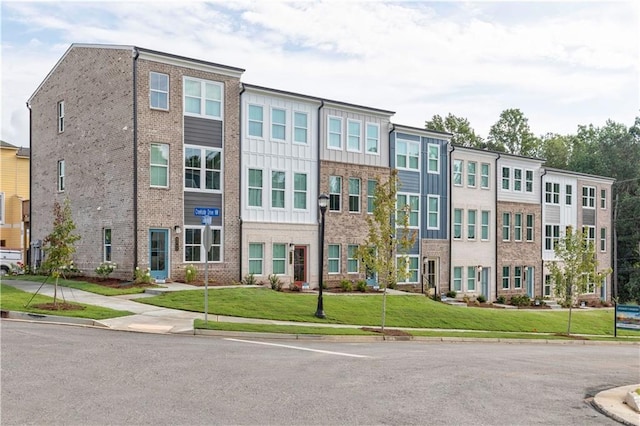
{"x": 79, "y": 285}
{"x": 274, "y": 328}
{"x": 12, "y": 299}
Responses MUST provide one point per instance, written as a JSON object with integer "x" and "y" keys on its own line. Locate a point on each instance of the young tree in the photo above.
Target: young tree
{"x": 576, "y": 271}
{"x": 59, "y": 244}
{"x": 389, "y": 236}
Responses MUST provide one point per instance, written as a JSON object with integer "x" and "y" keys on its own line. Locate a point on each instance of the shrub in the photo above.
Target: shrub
{"x": 520, "y": 300}
{"x": 346, "y": 285}
{"x": 465, "y": 298}
{"x": 142, "y": 277}
{"x": 481, "y": 299}
{"x": 294, "y": 287}
{"x": 249, "y": 279}
{"x": 190, "y": 273}
{"x": 361, "y": 286}
{"x": 275, "y": 282}
{"x": 392, "y": 285}
{"x": 105, "y": 269}
{"x": 501, "y": 300}
{"x": 451, "y": 294}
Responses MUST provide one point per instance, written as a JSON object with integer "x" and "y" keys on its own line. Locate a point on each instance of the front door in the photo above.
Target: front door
{"x": 484, "y": 283}
{"x": 159, "y": 253}
{"x": 300, "y": 265}
{"x": 530, "y": 282}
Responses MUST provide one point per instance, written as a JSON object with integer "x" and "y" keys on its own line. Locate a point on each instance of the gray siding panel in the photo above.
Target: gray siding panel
{"x": 589, "y": 217}
{"x": 202, "y": 131}
{"x": 201, "y": 199}
{"x": 409, "y": 181}
{"x": 552, "y": 214}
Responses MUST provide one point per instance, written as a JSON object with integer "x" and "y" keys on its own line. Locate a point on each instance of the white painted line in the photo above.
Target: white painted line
{"x": 299, "y": 348}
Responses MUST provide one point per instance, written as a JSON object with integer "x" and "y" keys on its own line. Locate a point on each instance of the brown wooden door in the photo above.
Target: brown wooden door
{"x": 300, "y": 265}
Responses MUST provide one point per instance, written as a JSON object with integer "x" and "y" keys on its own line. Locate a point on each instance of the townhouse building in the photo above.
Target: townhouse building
{"x": 14, "y": 197}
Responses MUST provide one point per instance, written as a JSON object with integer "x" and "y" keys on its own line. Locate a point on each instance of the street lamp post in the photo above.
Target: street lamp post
{"x": 323, "y": 200}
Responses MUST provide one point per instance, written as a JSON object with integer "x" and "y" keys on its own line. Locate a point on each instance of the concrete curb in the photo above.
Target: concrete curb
{"x": 609, "y": 402}
{"x": 26, "y": 316}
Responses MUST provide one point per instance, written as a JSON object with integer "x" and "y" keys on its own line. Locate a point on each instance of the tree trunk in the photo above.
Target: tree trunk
{"x": 569, "y": 325}
{"x": 55, "y": 292}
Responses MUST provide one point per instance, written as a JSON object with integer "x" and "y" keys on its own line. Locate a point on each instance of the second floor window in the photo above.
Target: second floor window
{"x": 159, "y": 90}
{"x": 568, "y": 194}
{"x": 528, "y": 177}
{"x": 471, "y": 224}
{"x": 552, "y": 193}
{"x": 408, "y": 205}
{"x": 354, "y": 195}
{"x": 335, "y": 193}
{"x": 484, "y": 231}
{"x": 603, "y": 198}
{"x": 371, "y": 195}
{"x": 433, "y": 212}
{"x": 159, "y": 165}
{"x": 517, "y": 227}
{"x": 277, "y": 189}
{"x": 300, "y": 191}
{"x": 588, "y": 197}
{"x": 407, "y": 155}
{"x": 255, "y": 188}
{"x": 506, "y": 178}
{"x": 506, "y": 226}
{"x": 202, "y": 169}
{"x": 529, "y": 227}
{"x": 457, "y": 224}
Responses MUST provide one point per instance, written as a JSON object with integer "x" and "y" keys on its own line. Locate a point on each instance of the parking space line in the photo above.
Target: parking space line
{"x": 299, "y": 348}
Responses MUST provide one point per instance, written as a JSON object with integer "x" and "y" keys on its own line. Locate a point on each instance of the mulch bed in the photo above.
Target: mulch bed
{"x": 110, "y": 282}
{"x": 387, "y": 331}
{"x": 60, "y": 306}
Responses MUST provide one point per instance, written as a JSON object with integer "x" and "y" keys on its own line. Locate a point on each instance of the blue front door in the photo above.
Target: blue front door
{"x": 159, "y": 253}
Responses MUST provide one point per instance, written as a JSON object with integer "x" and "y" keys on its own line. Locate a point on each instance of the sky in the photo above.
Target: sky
{"x": 563, "y": 64}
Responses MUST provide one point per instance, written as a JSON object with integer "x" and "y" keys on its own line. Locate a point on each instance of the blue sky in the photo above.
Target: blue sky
{"x": 563, "y": 64}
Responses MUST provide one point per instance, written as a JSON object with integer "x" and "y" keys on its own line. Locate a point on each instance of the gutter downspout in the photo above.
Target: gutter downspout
{"x": 29, "y": 261}
{"x": 496, "y": 226}
{"x": 135, "y": 157}
{"x": 450, "y": 183}
{"x": 240, "y": 183}
{"x": 541, "y": 234}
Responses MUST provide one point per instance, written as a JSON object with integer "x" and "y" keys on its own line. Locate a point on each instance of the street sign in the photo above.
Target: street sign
{"x": 206, "y": 211}
{"x": 206, "y": 220}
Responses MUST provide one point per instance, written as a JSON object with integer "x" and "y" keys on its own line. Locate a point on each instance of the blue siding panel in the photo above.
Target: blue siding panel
{"x": 409, "y": 181}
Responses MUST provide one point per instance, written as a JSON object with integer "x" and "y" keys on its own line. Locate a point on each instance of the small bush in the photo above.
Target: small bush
{"x": 294, "y": 287}
{"x": 520, "y": 300}
{"x": 249, "y": 279}
{"x": 501, "y": 300}
{"x": 481, "y": 299}
{"x": 451, "y": 294}
{"x": 346, "y": 285}
{"x": 361, "y": 286}
{"x": 190, "y": 273}
{"x": 276, "y": 283}
{"x": 105, "y": 269}
{"x": 142, "y": 276}
{"x": 392, "y": 285}
{"x": 465, "y": 298}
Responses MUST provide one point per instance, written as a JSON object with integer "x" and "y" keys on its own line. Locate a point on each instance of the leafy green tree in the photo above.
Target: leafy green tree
{"x": 459, "y": 127}
{"x": 59, "y": 244}
{"x": 556, "y": 150}
{"x": 389, "y": 236}
{"x": 512, "y": 132}
{"x": 576, "y": 271}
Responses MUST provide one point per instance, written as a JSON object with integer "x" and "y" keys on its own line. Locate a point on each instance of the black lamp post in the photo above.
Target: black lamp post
{"x": 323, "y": 200}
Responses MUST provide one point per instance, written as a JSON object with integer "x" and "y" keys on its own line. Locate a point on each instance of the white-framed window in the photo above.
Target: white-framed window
{"x": 353, "y": 263}
{"x": 407, "y": 155}
{"x": 61, "y": 175}
{"x": 278, "y": 124}
{"x": 506, "y": 226}
{"x": 568, "y": 194}
{"x": 506, "y": 275}
{"x": 517, "y": 227}
{"x": 457, "y": 172}
{"x": 603, "y": 198}
{"x": 517, "y": 179}
{"x": 433, "y": 212}
{"x": 408, "y": 204}
{"x": 457, "y": 278}
{"x": 202, "y": 168}
{"x": 471, "y": 224}
{"x": 300, "y": 191}
{"x": 590, "y": 233}
{"x": 433, "y": 160}
{"x": 506, "y": 178}
{"x": 278, "y": 187}
{"x": 335, "y": 193}
{"x": 60, "y": 109}
{"x": 589, "y": 197}
{"x": 300, "y": 127}
{"x": 552, "y": 193}
{"x": 202, "y": 98}
{"x": 603, "y": 239}
{"x": 517, "y": 277}
{"x": 158, "y": 90}
{"x": 373, "y": 138}
{"x": 106, "y": 245}
{"x": 485, "y": 216}
{"x": 279, "y": 259}
{"x": 530, "y": 220}
{"x": 471, "y": 173}
{"x": 528, "y": 180}
{"x": 354, "y": 135}
{"x": 484, "y": 175}
{"x": 1, "y": 208}
{"x": 256, "y": 258}
{"x": 333, "y": 259}
{"x": 551, "y": 236}
{"x": 457, "y": 224}
{"x": 411, "y": 266}
{"x": 193, "y": 244}
{"x": 371, "y": 195}
{"x": 471, "y": 278}
{"x": 334, "y": 132}
{"x": 255, "y": 188}
{"x": 354, "y": 195}
{"x": 256, "y": 121}
{"x": 159, "y": 165}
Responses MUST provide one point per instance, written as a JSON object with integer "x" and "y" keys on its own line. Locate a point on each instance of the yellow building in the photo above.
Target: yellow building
{"x": 14, "y": 197}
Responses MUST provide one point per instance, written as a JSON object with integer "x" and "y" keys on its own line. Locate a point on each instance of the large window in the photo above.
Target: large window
{"x": 202, "y": 98}
{"x": 333, "y": 259}
{"x": 300, "y": 191}
{"x": 484, "y": 175}
{"x": 471, "y": 173}
{"x": 457, "y": 278}
{"x": 484, "y": 231}
{"x": 256, "y": 258}
{"x": 277, "y": 189}
{"x": 354, "y": 135}
{"x": 517, "y": 227}
{"x": 551, "y": 236}
{"x": 589, "y": 197}
{"x": 256, "y": 120}
{"x": 300, "y": 127}
{"x": 457, "y": 172}
{"x": 552, "y": 193}
{"x": 433, "y": 165}
{"x": 255, "y": 188}
{"x": 354, "y": 195}
{"x": 335, "y": 193}
{"x": 60, "y": 116}
{"x": 373, "y": 138}
{"x": 159, "y": 165}
{"x": 471, "y": 278}
{"x": 159, "y": 90}
{"x": 353, "y": 264}
{"x": 61, "y": 175}
{"x": 371, "y": 195}
{"x": 202, "y": 162}
{"x": 433, "y": 212}
{"x": 517, "y": 277}
{"x": 457, "y": 224}
{"x": 506, "y": 226}
{"x": 529, "y": 227}
{"x": 471, "y": 224}
{"x": 106, "y": 244}
{"x": 335, "y": 133}
{"x": 407, "y": 154}
{"x": 506, "y": 274}
{"x": 278, "y": 124}
{"x": 193, "y": 245}
{"x": 279, "y": 259}
{"x": 408, "y": 205}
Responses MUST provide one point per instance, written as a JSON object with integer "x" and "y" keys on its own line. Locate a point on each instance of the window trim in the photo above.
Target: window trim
{"x": 159, "y": 166}
{"x": 371, "y": 195}
{"x": 152, "y": 90}
{"x": 297, "y": 191}
{"x": 506, "y": 279}
{"x": 552, "y": 193}
{"x": 603, "y": 199}
{"x": 483, "y": 176}
{"x": 203, "y": 169}
{"x": 296, "y": 127}
{"x": 331, "y": 118}
{"x": 349, "y": 135}
{"x": 456, "y": 279}
{"x": 283, "y": 191}
{"x": 61, "y": 175}
{"x": 250, "y": 120}
{"x": 272, "y": 124}
{"x": 603, "y": 239}
{"x": 589, "y": 199}
{"x": 529, "y": 183}
{"x": 368, "y": 138}
{"x": 517, "y": 277}
{"x": 256, "y": 259}
{"x": 201, "y": 229}
{"x": 352, "y": 250}
{"x": 336, "y": 260}
{"x": 517, "y": 229}
{"x": 517, "y": 180}
{"x": 355, "y": 196}
{"x": 335, "y": 195}
{"x": 255, "y": 188}
{"x": 472, "y": 235}
{"x": 506, "y": 227}
{"x": 459, "y": 174}
{"x": 412, "y": 214}
{"x": 485, "y": 226}
{"x": 437, "y": 158}
{"x": 107, "y": 255}
{"x": 529, "y": 229}
{"x": 472, "y": 278}
{"x": 457, "y": 224}
{"x": 203, "y": 99}
{"x": 60, "y": 116}
{"x": 505, "y": 179}
{"x": 471, "y": 175}
{"x": 275, "y": 259}
{"x": 408, "y": 143}
{"x": 430, "y": 212}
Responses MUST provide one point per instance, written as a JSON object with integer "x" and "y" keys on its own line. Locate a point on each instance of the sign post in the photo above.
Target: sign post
{"x": 206, "y": 213}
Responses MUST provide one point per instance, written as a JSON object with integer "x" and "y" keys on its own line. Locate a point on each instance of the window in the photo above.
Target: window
{"x": 300, "y": 191}
{"x": 517, "y": 227}
{"x": 552, "y": 193}
{"x": 412, "y": 264}
{"x": 255, "y": 188}
{"x": 60, "y": 116}
{"x": 471, "y": 173}
{"x": 335, "y": 193}
{"x": 588, "y": 197}
{"x": 256, "y": 256}
{"x": 484, "y": 230}
{"x": 300, "y": 127}
{"x": 279, "y": 259}
{"x": 547, "y": 285}
{"x": 195, "y": 168}
{"x": 278, "y": 124}
{"x": 506, "y": 273}
{"x": 457, "y": 224}
{"x": 471, "y": 278}
{"x": 408, "y": 205}
{"x": 603, "y": 198}
{"x": 517, "y": 179}
{"x": 354, "y": 195}
{"x": 603, "y": 239}
{"x": 471, "y": 224}
{"x": 202, "y": 98}
{"x": 277, "y": 189}
{"x": 61, "y": 172}
{"x": 433, "y": 212}
{"x": 506, "y": 178}
{"x": 528, "y": 179}
{"x": 407, "y": 155}
{"x": 590, "y": 234}
{"x": 159, "y": 165}
{"x": 373, "y": 138}
{"x": 551, "y": 236}
{"x": 193, "y": 245}
{"x": 484, "y": 175}
{"x": 256, "y": 120}
{"x": 333, "y": 259}
{"x": 353, "y": 265}
{"x": 433, "y": 165}
{"x": 335, "y": 133}
{"x": 457, "y": 172}
{"x": 354, "y": 135}
{"x": 457, "y": 278}
{"x": 106, "y": 245}
{"x": 529, "y": 227}
{"x": 506, "y": 226}
{"x": 517, "y": 277}
{"x": 159, "y": 90}
{"x": 371, "y": 195}
{"x": 568, "y": 193}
